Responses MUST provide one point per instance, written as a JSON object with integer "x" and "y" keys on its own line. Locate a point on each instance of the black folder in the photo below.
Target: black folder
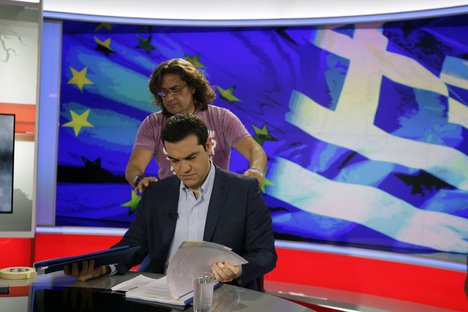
{"x": 105, "y": 257}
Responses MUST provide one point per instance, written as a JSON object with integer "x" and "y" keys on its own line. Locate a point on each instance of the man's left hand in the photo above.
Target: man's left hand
{"x": 256, "y": 174}
{"x": 225, "y": 272}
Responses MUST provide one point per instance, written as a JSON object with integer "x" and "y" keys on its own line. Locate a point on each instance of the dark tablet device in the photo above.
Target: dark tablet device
{"x": 105, "y": 257}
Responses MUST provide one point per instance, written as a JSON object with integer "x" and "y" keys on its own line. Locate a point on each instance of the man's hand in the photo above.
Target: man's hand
{"x": 87, "y": 270}
{"x": 225, "y": 272}
{"x": 144, "y": 183}
{"x": 256, "y": 173}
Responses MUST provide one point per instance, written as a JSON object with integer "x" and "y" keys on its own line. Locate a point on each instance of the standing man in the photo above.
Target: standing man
{"x": 202, "y": 202}
{"x": 178, "y": 87}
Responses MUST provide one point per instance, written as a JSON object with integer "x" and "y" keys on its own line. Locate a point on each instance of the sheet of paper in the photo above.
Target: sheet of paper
{"x": 133, "y": 283}
{"x": 157, "y": 290}
{"x": 176, "y": 287}
{"x": 194, "y": 257}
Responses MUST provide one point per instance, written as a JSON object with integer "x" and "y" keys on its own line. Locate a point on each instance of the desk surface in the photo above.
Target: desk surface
{"x": 58, "y": 292}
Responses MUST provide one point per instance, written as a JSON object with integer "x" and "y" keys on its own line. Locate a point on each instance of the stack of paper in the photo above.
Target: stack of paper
{"x": 151, "y": 289}
{"x": 195, "y": 257}
{"x": 176, "y": 287}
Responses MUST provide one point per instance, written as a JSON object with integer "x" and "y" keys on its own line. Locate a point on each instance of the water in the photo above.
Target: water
{"x": 203, "y": 292}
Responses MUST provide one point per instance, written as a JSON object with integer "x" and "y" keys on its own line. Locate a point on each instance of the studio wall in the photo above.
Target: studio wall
{"x": 20, "y": 28}
{"x": 364, "y": 124}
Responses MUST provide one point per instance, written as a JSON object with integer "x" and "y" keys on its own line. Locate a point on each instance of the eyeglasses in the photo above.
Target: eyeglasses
{"x": 171, "y": 91}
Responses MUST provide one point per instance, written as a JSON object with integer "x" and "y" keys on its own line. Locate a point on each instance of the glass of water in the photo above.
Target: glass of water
{"x": 203, "y": 284}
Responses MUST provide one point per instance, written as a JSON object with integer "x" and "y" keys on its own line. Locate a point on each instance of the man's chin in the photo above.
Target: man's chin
{"x": 173, "y": 109}
{"x": 188, "y": 182}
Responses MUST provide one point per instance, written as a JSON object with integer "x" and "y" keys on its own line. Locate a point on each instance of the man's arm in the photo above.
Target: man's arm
{"x": 255, "y": 155}
{"x": 259, "y": 239}
{"x": 136, "y": 166}
{"x": 136, "y": 235}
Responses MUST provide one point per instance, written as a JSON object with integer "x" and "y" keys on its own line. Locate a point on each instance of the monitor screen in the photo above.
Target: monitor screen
{"x": 7, "y": 140}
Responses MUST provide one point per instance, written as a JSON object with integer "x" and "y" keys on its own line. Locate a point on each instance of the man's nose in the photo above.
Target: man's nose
{"x": 168, "y": 98}
{"x": 185, "y": 166}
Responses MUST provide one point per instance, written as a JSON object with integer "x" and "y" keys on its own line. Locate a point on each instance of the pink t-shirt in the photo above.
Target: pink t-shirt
{"x": 223, "y": 126}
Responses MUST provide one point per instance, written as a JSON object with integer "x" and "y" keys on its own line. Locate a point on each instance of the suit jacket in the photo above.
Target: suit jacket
{"x": 237, "y": 218}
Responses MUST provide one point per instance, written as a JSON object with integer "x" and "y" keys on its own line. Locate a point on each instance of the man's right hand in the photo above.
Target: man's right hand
{"x": 139, "y": 160}
{"x": 86, "y": 271}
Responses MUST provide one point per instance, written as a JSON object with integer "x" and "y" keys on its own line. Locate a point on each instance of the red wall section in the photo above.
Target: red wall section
{"x": 427, "y": 285}
{"x": 49, "y": 246}
{"x": 25, "y": 118}
{"x": 16, "y": 252}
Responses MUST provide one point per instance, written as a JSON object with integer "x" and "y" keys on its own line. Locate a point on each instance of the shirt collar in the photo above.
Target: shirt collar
{"x": 208, "y": 184}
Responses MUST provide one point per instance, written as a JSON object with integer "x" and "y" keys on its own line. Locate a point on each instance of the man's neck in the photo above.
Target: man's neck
{"x": 192, "y": 110}
{"x": 196, "y": 191}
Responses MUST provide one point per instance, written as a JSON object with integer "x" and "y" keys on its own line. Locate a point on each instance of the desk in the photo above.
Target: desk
{"x": 58, "y": 292}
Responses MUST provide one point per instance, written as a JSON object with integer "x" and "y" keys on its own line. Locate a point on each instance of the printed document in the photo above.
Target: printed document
{"x": 176, "y": 287}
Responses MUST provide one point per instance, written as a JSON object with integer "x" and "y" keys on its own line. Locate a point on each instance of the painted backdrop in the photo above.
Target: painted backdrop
{"x": 365, "y": 126}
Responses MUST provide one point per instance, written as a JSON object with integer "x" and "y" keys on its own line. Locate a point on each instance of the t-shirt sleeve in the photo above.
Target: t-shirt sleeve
{"x": 234, "y": 129}
{"x": 147, "y": 133}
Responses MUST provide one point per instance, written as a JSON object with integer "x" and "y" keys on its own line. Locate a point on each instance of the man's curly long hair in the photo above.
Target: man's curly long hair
{"x": 204, "y": 93}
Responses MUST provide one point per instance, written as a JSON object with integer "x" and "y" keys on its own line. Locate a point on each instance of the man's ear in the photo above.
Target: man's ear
{"x": 209, "y": 145}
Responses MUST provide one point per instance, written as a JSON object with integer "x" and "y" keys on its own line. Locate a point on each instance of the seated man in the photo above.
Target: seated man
{"x": 202, "y": 202}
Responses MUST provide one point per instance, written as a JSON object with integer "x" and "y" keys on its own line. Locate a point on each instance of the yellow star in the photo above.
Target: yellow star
{"x": 228, "y": 94}
{"x": 145, "y": 44}
{"x": 262, "y": 135}
{"x": 105, "y": 25}
{"x": 106, "y": 43}
{"x": 79, "y": 78}
{"x": 195, "y": 60}
{"x": 266, "y": 182}
{"x": 78, "y": 121}
{"x": 104, "y": 46}
{"x": 262, "y": 131}
{"x": 132, "y": 203}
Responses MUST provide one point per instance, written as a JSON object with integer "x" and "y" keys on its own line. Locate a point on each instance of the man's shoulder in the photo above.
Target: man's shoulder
{"x": 154, "y": 120}
{"x": 218, "y": 117}
{"x": 216, "y": 110}
{"x": 171, "y": 182}
{"x": 159, "y": 116}
{"x": 236, "y": 178}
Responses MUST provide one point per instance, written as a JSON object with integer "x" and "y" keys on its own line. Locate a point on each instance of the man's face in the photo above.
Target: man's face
{"x": 190, "y": 160}
{"x": 178, "y": 95}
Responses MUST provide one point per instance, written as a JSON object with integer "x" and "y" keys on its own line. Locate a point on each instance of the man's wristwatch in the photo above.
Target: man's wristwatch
{"x": 137, "y": 179}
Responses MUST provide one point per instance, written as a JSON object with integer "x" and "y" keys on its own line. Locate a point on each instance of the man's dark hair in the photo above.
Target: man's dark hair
{"x": 204, "y": 93}
{"x": 181, "y": 125}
